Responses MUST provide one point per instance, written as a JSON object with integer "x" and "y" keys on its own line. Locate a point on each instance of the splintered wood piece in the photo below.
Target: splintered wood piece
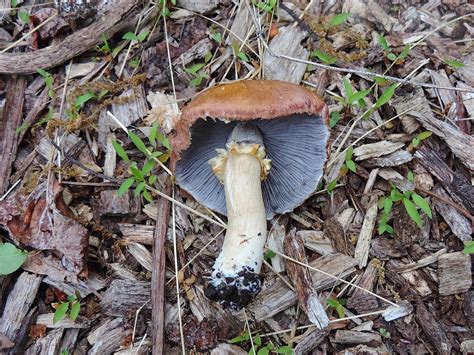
{"x": 288, "y": 42}
{"x": 317, "y": 242}
{"x": 18, "y": 303}
{"x": 433, "y": 329}
{"x": 353, "y": 337}
{"x": 422, "y": 262}
{"x": 12, "y": 115}
{"x": 113, "y": 205}
{"x": 394, "y": 312}
{"x": 361, "y": 252}
{"x": 459, "y": 224}
{"x": 334, "y": 232}
{"x": 141, "y": 254}
{"x": 311, "y": 341}
{"x": 275, "y": 242}
{"x": 395, "y": 159}
{"x": 107, "y": 337}
{"x": 124, "y": 296}
{"x": 338, "y": 265}
{"x": 374, "y": 150}
{"x": 48, "y": 320}
{"x": 301, "y": 278}
{"x": 139, "y": 233}
{"x": 48, "y": 344}
{"x": 454, "y": 273}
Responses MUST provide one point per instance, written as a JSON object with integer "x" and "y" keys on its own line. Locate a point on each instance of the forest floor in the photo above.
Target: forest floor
{"x": 101, "y": 252}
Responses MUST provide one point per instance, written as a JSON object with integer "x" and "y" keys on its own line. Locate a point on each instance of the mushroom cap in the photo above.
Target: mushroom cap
{"x": 293, "y": 123}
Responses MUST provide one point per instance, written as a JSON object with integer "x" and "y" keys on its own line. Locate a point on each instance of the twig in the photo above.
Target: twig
{"x": 449, "y": 202}
{"x": 158, "y": 272}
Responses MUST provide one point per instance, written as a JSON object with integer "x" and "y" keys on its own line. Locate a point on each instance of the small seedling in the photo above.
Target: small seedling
{"x": 453, "y": 63}
{"x": 420, "y": 137}
{"x": 134, "y": 37}
{"x": 268, "y": 255}
{"x": 339, "y": 19}
{"x": 258, "y": 349}
{"x": 267, "y": 5}
{"x": 411, "y": 201}
{"x": 48, "y": 80}
{"x": 217, "y": 36}
{"x": 11, "y": 258}
{"x": 348, "y": 162}
{"x": 196, "y": 71}
{"x": 323, "y": 57}
{"x": 72, "y": 305}
{"x": 338, "y": 306}
{"x": 331, "y": 186}
{"x": 383, "y": 332}
{"x": 335, "y": 117}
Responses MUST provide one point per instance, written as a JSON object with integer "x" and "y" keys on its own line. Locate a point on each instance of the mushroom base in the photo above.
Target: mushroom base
{"x": 234, "y": 291}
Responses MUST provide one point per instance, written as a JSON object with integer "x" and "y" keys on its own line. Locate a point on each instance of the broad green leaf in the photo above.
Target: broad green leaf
{"x": 335, "y": 116}
{"x": 323, "y": 57}
{"x": 81, "y": 100}
{"x": 60, "y": 312}
{"x": 239, "y": 339}
{"x": 395, "y": 195}
{"x": 43, "y": 73}
{"x": 410, "y": 176}
{"x": 23, "y": 15}
{"x": 386, "y": 96}
{"x": 142, "y": 36}
{"x": 392, "y": 57}
{"x": 381, "y": 81}
{"x": 347, "y": 87}
{"x": 197, "y": 81}
{"x": 125, "y": 186}
{"x": 120, "y": 151}
{"x": 139, "y": 188}
{"x": 136, "y": 172}
{"x": 423, "y": 135}
{"x": 453, "y": 63}
{"x": 349, "y": 153}
{"x": 405, "y": 52}
{"x": 152, "y": 179}
{"x": 468, "y": 247}
{"x": 155, "y": 155}
{"x": 263, "y": 351}
{"x": 193, "y": 69}
{"x": 11, "y": 258}
{"x": 138, "y": 143}
{"x": 383, "y": 43}
{"x": 130, "y": 36}
{"x": 351, "y": 165}
{"x": 422, "y": 203}
{"x": 268, "y": 255}
{"x": 331, "y": 186}
{"x": 148, "y": 166}
{"x": 75, "y": 309}
{"x": 415, "y": 142}
{"x": 243, "y": 57}
{"x": 284, "y": 350}
{"x": 358, "y": 95}
{"x": 389, "y": 229}
{"x": 207, "y": 57}
{"x": 71, "y": 298}
{"x": 338, "y": 19}
{"x": 217, "y": 36}
{"x": 152, "y": 136}
{"x": 257, "y": 340}
{"x": 147, "y": 196}
{"x": 412, "y": 212}
{"x": 387, "y": 205}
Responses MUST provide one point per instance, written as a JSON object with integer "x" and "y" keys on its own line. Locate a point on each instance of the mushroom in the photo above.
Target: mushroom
{"x": 249, "y": 150}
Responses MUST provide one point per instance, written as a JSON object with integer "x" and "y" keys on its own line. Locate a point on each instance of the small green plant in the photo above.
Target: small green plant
{"x": 23, "y": 16}
{"x": 339, "y": 19}
{"x": 420, "y": 137}
{"x": 323, "y": 57}
{"x": 335, "y": 117}
{"x": 268, "y": 255}
{"x": 352, "y": 97}
{"x": 48, "y": 80}
{"x": 134, "y": 37}
{"x": 143, "y": 176}
{"x": 411, "y": 201}
{"x": 338, "y": 306}
{"x": 71, "y": 305}
{"x": 259, "y": 348}
{"x": 11, "y": 258}
{"x": 267, "y": 5}
{"x": 217, "y": 37}
{"x": 196, "y": 70}
{"x": 348, "y": 162}
{"x": 331, "y": 186}
{"x": 384, "y": 332}
{"x": 388, "y": 51}
{"x": 468, "y": 247}
{"x": 453, "y": 63}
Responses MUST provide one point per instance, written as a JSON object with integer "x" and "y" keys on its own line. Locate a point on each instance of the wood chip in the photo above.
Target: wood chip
{"x": 275, "y": 242}
{"x": 18, "y": 303}
{"x": 454, "y": 273}
{"x": 361, "y": 252}
{"x": 139, "y": 233}
{"x": 316, "y": 241}
{"x": 403, "y": 309}
{"x": 301, "y": 278}
{"x": 50, "y": 344}
{"x": 107, "y": 337}
{"x": 352, "y": 337}
{"x": 311, "y": 341}
{"x": 288, "y": 42}
{"x": 201, "y": 6}
{"x": 338, "y": 265}
{"x": 433, "y": 329}
{"x": 48, "y": 320}
{"x": 395, "y": 159}
{"x": 141, "y": 254}
{"x": 373, "y": 150}
{"x": 125, "y": 296}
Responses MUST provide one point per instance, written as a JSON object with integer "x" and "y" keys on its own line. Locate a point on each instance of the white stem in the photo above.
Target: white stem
{"x": 246, "y": 219}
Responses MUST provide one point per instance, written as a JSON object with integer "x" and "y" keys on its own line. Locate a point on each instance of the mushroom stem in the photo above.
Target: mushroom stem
{"x": 235, "y": 278}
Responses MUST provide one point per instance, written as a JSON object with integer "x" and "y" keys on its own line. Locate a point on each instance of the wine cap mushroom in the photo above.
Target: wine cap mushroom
{"x": 249, "y": 150}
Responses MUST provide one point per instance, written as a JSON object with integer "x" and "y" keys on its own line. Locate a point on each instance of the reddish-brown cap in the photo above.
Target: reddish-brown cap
{"x": 246, "y": 100}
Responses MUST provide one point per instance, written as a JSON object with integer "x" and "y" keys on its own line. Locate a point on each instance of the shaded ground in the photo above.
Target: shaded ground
{"x": 381, "y": 239}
